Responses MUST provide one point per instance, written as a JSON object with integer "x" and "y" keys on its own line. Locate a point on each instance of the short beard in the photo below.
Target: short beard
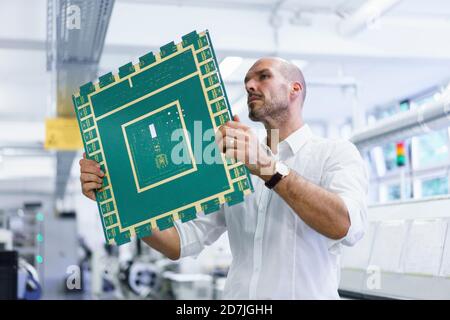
{"x": 273, "y": 112}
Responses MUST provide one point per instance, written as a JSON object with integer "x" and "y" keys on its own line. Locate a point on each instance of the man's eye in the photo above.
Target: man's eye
{"x": 264, "y": 76}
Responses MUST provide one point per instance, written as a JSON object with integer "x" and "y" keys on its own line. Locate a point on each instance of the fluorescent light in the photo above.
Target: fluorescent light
{"x": 229, "y": 65}
{"x": 300, "y": 63}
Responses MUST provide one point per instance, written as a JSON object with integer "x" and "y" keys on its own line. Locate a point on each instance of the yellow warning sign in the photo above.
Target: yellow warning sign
{"x": 62, "y": 134}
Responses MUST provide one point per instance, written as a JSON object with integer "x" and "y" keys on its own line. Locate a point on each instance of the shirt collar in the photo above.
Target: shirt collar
{"x": 297, "y": 139}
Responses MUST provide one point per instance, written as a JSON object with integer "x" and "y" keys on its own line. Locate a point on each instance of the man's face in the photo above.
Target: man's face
{"x": 267, "y": 90}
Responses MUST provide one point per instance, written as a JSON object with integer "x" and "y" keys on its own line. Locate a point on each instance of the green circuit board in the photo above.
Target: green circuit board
{"x": 127, "y": 122}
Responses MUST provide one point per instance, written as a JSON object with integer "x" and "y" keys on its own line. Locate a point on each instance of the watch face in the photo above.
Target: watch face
{"x": 282, "y": 168}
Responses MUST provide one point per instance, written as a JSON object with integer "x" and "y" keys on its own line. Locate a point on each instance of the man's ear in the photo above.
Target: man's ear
{"x": 296, "y": 88}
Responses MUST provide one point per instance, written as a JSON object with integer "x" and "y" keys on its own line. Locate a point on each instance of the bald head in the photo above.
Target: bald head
{"x": 290, "y": 71}
{"x": 276, "y": 91}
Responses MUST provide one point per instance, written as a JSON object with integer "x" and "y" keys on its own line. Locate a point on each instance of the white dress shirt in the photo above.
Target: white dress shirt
{"x": 275, "y": 254}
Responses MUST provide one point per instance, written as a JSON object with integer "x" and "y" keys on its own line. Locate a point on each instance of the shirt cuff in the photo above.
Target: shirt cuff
{"x": 357, "y": 214}
{"x": 189, "y": 245}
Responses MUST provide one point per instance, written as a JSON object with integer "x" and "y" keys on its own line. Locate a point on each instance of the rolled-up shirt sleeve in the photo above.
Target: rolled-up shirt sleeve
{"x": 200, "y": 232}
{"x": 345, "y": 174}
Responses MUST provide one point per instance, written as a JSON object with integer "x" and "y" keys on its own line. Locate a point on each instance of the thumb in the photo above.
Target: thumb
{"x": 236, "y": 118}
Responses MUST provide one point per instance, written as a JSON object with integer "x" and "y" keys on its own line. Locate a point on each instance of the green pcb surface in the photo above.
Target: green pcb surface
{"x": 134, "y": 122}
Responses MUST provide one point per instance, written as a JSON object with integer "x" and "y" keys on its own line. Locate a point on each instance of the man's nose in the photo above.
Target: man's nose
{"x": 250, "y": 86}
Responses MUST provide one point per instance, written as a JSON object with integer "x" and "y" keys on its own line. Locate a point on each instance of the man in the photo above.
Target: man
{"x": 309, "y": 198}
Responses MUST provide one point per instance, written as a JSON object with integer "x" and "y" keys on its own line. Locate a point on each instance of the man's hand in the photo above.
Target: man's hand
{"x": 167, "y": 242}
{"x": 91, "y": 177}
{"x": 238, "y": 141}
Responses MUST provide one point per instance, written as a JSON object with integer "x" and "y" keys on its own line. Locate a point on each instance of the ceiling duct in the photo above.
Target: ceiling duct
{"x": 76, "y": 31}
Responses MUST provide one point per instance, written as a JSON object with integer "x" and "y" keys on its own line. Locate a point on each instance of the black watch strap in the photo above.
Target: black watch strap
{"x": 272, "y": 182}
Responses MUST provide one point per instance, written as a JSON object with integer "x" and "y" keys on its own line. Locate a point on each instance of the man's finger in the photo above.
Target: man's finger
{"x": 229, "y": 142}
{"x": 237, "y": 125}
{"x": 88, "y": 168}
{"x": 88, "y": 162}
{"x": 90, "y": 186}
{"x": 89, "y": 177}
{"x": 241, "y": 146}
{"x": 235, "y": 133}
{"x": 220, "y": 144}
{"x": 91, "y": 195}
{"x": 222, "y": 130}
{"x": 231, "y": 139}
{"x": 220, "y": 133}
{"x": 236, "y": 154}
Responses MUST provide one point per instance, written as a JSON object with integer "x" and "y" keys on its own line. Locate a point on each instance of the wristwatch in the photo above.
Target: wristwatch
{"x": 281, "y": 171}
